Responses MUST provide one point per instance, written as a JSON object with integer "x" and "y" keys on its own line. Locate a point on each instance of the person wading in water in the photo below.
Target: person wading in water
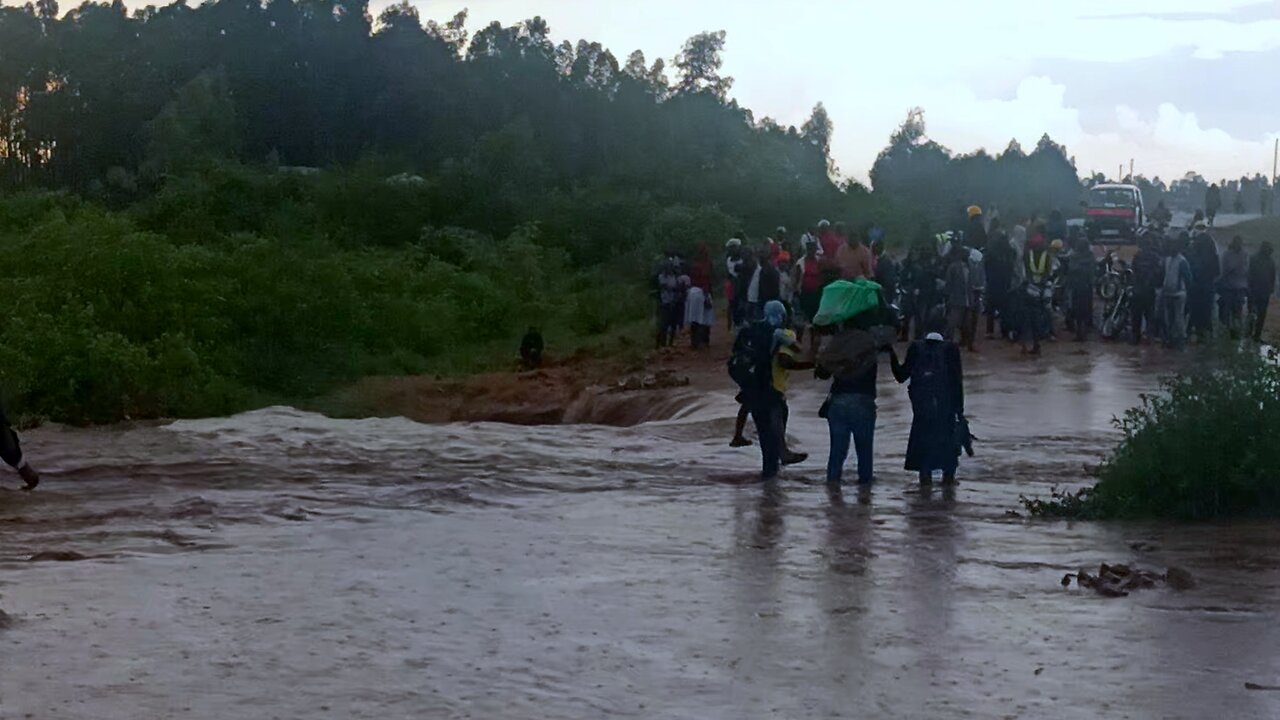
{"x": 11, "y": 453}
{"x": 937, "y": 405}
{"x": 763, "y": 353}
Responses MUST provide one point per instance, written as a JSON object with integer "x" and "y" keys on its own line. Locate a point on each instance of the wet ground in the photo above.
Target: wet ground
{"x": 283, "y": 565}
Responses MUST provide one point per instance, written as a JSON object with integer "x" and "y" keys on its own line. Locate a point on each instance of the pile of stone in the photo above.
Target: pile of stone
{"x": 1120, "y": 580}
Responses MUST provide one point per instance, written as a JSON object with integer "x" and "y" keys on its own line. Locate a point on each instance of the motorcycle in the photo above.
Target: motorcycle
{"x": 1108, "y": 278}
{"x": 1116, "y": 315}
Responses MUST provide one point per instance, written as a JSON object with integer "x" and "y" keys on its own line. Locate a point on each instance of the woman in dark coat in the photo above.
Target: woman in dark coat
{"x": 937, "y": 405}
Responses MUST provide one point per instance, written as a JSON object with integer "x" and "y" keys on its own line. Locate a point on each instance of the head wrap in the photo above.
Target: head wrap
{"x": 775, "y": 313}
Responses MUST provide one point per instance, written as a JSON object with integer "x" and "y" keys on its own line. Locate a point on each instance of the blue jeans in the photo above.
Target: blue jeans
{"x": 851, "y": 415}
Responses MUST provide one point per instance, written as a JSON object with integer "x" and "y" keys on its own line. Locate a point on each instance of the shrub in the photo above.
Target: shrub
{"x": 1203, "y": 447}
{"x": 106, "y": 320}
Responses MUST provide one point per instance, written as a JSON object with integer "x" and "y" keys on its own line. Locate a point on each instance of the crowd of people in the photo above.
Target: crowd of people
{"x": 1026, "y": 282}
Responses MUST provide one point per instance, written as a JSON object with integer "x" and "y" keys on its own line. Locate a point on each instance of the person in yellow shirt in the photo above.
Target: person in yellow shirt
{"x": 787, "y": 357}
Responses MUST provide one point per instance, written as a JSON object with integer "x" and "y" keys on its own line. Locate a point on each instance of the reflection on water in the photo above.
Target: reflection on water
{"x": 280, "y": 564}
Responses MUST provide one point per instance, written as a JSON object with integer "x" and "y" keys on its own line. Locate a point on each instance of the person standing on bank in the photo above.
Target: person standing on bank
{"x": 959, "y": 298}
{"x": 1262, "y": 285}
{"x": 1206, "y": 268}
{"x": 1233, "y": 287}
{"x": 854, "y": 259}
{"x": 699, "y": 309}
{"x": 1173, "y": 295}
{"x": 937, "y": 405}
{"x": 1080, "y": 282}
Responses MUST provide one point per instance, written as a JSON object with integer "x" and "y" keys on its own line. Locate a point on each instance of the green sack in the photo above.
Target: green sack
{"x": 842, "y": 300}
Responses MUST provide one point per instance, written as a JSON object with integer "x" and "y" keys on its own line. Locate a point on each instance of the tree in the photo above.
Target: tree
{"x": 699, "y": 65}
{"x": 453, "y": 33}
{"x": 401, "y": 17}
{"x": 817, "y": 131}
{"x": 47, "y": 10}
{"x": 912, "y": 130}
{"x": 636, "y": 67}
{"x": 594, "y": 67}
{"x": 198, "y": 125}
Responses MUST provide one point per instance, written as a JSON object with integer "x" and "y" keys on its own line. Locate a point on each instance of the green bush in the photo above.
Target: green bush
{"x": 1203, "y": 447}
{"x": 107, "y": 320}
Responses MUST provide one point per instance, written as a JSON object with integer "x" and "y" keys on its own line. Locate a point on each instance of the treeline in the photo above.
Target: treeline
{"x": 927, "y": 177}
{"x": 1247, "y": 195}
{"x": 505, "y": 126}
{"x": 938, "y": 184}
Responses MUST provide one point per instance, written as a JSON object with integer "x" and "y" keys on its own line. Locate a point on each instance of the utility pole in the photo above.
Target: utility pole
{"x": 1130, "y": 168}
{"x": 1120, "y": 173}
{"x": 1275, "y": 160}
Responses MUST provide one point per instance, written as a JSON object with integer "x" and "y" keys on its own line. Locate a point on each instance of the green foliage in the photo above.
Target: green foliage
{"x": 108, "y": 320}
{"x": 1204, "y": 447}
{"x": 198, "y": 126}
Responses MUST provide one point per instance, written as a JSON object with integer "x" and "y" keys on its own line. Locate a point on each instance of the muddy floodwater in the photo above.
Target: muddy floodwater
{"x": 279, "y": 564}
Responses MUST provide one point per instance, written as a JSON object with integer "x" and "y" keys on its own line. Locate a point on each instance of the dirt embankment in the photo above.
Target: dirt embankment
{"x": 620, "y": 389}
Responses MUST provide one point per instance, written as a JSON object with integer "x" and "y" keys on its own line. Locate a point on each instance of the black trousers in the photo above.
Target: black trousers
{"x": 1258, "y": 306}
{"x": 1144, "y": 310}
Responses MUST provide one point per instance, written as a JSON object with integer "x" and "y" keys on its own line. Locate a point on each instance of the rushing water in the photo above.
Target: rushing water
{"x": 284, "y": 565}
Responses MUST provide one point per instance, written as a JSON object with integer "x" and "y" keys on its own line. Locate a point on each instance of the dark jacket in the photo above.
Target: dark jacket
{"x": 999, "y": 260}
{"x": 975, "y": 236}
{"x": 1080, "y": 271}
{"x": 937, "y": 402}
{"x": 1205, "y": 266}
{"x": 1213, "y": 199}
{"x": 887, "y": 272}
{"x": 1262, "y": 276}
{"x": 770, "y": 283}
{"x": 1148, "y": 271}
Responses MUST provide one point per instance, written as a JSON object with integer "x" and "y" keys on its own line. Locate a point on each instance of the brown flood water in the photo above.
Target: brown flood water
{"x": 284, "y": 565}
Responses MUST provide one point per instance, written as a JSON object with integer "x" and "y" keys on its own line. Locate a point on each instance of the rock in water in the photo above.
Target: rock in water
{"x": 1179, "y": 579}
{"x": 57, "y": 556}
{"x": 6, "y": 620}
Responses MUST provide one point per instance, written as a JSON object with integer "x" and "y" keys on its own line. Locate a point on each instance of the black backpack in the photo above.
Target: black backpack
{"x": 751, "y": 362}
{"x": 929, "y": 378}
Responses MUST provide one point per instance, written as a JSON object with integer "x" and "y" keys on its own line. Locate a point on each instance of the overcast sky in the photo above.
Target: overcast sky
{"x": 1173, "y": 84}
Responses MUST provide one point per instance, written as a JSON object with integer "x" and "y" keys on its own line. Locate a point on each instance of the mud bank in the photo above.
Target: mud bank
{"x": 585, "y": 389}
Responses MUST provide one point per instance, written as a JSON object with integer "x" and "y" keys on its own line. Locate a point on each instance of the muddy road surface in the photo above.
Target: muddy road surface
{"x": 279, "y": 564}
